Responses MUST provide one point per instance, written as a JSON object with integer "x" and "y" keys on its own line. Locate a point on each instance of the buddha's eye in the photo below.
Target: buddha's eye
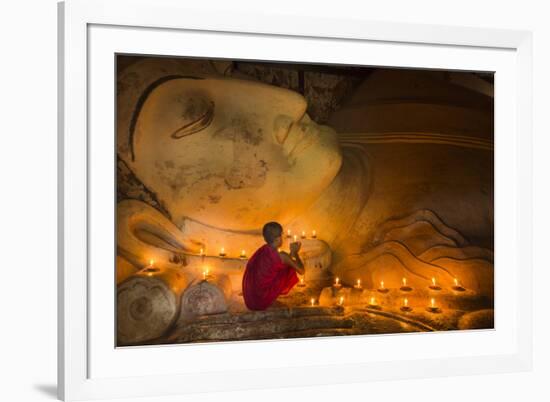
{"x": 197, "y": 114}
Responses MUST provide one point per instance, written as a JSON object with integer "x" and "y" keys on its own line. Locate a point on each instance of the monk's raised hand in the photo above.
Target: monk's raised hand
{"x": 295, "y": 247}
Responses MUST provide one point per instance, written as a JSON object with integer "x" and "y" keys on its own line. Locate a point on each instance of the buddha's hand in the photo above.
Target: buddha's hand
{"x": 295, "y": 247}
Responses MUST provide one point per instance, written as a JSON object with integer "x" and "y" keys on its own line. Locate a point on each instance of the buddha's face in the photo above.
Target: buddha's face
{"x": 231, "y": 153}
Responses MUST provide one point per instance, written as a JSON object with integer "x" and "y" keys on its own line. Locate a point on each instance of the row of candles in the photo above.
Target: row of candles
{"x": 432, "y": 307}
{"x": 303, "y": 236}
{"x": 222, "y": 252}
{"x": 404, "y": 287}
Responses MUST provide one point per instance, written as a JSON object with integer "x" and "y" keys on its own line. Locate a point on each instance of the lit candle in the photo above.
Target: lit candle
{"x": 458, "y": 287}
{"x": 404, "y": 281}
{"x": 302, "y": 282}
{"x": 373, "y": 301}
{"x": 295, "y": 238}
{"x": 405, "y": 287}
{"x": 201, "y": 252}
{"x": 382, "y": 289}
{"x": 405, "y": 306}
{"x": 222, "y": 252}
{"x": 432, "y": 308}
{"x": 358, "y": 286}
{"x": 434, "y": 285}
{"x": 243, "y": 254}
{"x": 204, "y": 274}
{"x": 150, "y": 268}
{"x": 341, "y": 301}
{"x": 288, "y": 233}
{"x": 303, "y": 234}
{"x": 312, "y": 302}
{"x": 337, "y": 282}
{"x": 314, "y": 234}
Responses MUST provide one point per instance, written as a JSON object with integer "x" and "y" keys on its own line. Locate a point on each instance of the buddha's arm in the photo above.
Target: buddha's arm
{"x": 294, "y": 261}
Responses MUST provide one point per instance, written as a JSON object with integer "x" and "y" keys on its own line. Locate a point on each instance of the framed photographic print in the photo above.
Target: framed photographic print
{"x": 243, "y": 200}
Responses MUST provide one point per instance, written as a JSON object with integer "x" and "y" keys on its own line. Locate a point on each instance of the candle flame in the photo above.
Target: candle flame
{"x": 222, "y": 250}
{"x": 288, "y": 232}
{"x": 243, "y": 253}
{"x": 302, "y": 280}
{"x": 314, "y": 233}
{"x": 405, "y": 302}
{"x": 433, "y": 281}
{"x": 381, "y": 284}
{"x": 358, "y": 282}
{"x": 312, "y": 301}
{"x": 295, "y": 238}
{"x": 202, "y": 252}
{"x": 337, "y": 280}
{"x": 456, "y": 282}
{"x": 432, "y": 302}
{"x": 404, "y": 281}
{"x": 341, "y": 300}
{"x": 151, "y": 262}
{"x": 372, "y": 301}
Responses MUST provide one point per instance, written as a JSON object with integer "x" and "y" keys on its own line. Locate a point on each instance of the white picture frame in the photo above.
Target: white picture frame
{"x": 91, "y": 32}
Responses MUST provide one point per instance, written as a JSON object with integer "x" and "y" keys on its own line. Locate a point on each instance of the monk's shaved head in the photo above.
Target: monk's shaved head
{"x": 271, "y": 231}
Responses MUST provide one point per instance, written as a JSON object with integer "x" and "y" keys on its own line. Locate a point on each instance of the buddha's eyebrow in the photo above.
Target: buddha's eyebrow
{"x": 141, "y": 101}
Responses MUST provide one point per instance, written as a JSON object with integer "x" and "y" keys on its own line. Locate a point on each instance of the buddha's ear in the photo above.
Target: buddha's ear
{"x": 198, "y": 114}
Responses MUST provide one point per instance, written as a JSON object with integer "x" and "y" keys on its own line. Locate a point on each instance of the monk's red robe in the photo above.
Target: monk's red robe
{"x": 265, "y": 278}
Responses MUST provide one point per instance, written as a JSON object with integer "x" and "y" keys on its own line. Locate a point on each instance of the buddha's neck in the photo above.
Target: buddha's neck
{"x": 333, "y": 214}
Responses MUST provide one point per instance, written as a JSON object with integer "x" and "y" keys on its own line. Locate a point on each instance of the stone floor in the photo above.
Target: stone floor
{"x": 293, "y": 316}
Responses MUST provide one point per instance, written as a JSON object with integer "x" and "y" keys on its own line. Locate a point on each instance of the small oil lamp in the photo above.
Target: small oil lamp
{"x": 383, "y": 289}
{"x": 457, "y": 286}
{"x": 404, "y": 287}
{"x": 358, "y": 284}
{"x": 313, "y": 234}
{"x": 432, "y": 308}
{"x": 341, "y": 301}
{"x": 434, "y": 285}
{"x": 405, "y": 307}
{"x": 150, "y": 269}
{"x": 303, "y": 234}
{"x": 243, "y": 255}
{"x": 312, "y": 302}
{"x": 373, "y": 303}
{"x": 222, "y": 252}
{"x": 337, "y": 283}
{"x": 302, "y": 282}
{"x": 295, "y": 238}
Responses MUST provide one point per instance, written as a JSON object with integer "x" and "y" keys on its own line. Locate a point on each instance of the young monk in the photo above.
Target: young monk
{"x": 270, "y": 273}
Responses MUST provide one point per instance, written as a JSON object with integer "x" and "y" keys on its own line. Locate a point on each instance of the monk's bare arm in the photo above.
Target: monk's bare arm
{"x": 294, "y": 261}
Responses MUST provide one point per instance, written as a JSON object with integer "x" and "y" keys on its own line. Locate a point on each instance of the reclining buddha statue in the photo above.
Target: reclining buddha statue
{"x": 398, "y": 183}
